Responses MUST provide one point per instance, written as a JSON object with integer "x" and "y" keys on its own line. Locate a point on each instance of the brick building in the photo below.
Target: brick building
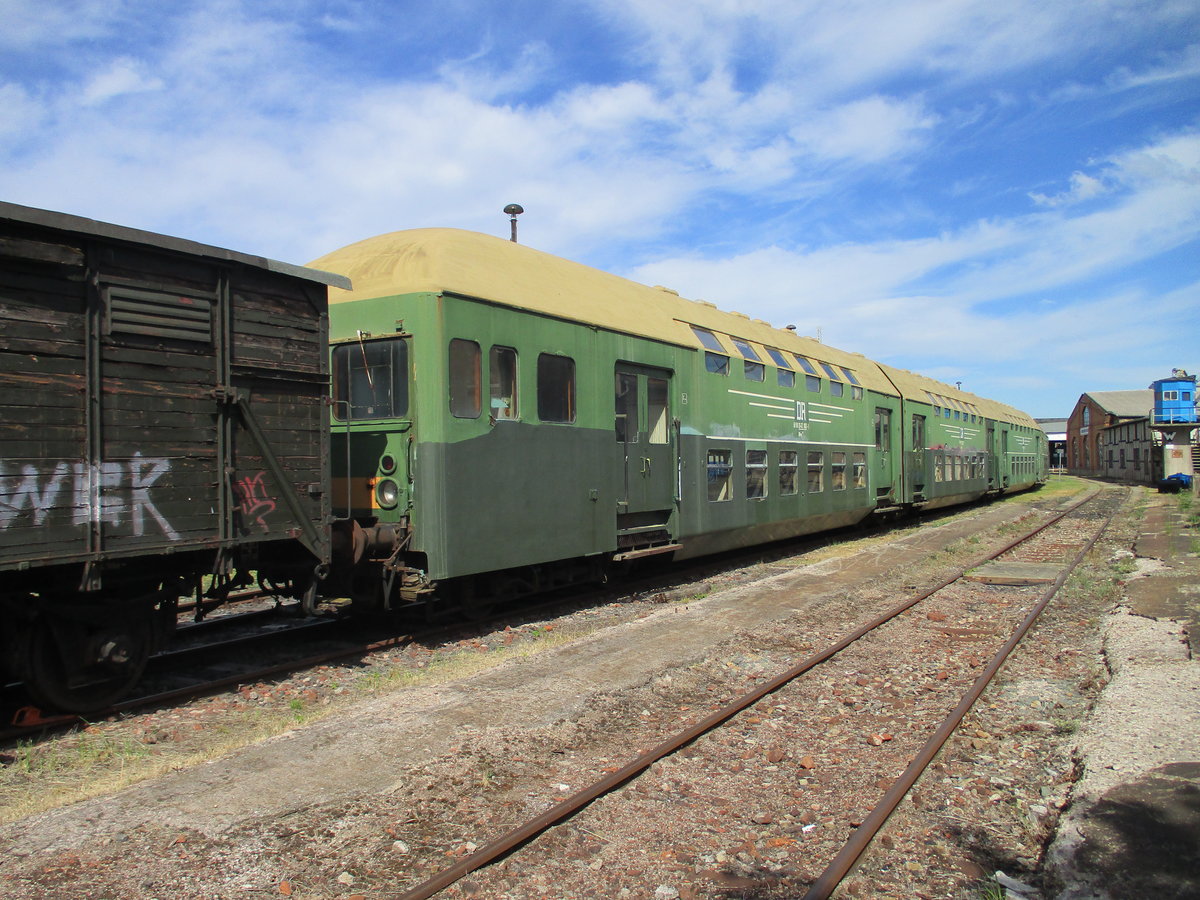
{"x": 1108, "y": 436}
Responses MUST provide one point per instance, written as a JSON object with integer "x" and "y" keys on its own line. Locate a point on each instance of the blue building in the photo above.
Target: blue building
{"x": 1175, "y": 399}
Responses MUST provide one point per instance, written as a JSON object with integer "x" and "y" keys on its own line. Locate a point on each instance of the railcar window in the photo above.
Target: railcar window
{"x": 756, "y": 474}
{"x": 720, "y": 475}
{"x": 778, "y": 357}
{"x": 849, "y": 375}
{"x": 746, "y": 350}
{"x": 918, "y": 432}
{"x": 837, "y": 467}
{"x": 883, "y": 429}
{"x": 465, "y": 374}
{"x": 707, "y": 339}
{"x": 816, "y": 471}
{"x": 813, "y": 383}
{"x": 370, "y": 380}
{"x": 556, "y": 388}
{"x": 657, "y": 410}
{"x": 804, "y": 364}
{"x": 836, "y": 388}
{"x": 502, "y": 366}
{"x": 626, "y": 408}
{"x": 788, "y": 461}
{"x": 716, "y": 363}
{"x": 939, "y": 468}
{"x": 856, "y": 392}
{"x": 860, "y": 470}
{"x": 754, "y": 371}
{"x": 787, "y": 378}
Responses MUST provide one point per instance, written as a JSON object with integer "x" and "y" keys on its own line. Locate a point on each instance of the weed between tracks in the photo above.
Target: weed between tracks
{"x": 100, "y": 758}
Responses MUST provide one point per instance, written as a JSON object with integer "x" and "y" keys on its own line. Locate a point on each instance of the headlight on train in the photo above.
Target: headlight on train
{"x": 387, "y": 492}
{"x": 387, "y": 464}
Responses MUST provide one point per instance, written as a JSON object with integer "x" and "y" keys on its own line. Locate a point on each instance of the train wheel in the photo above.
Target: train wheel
{"x": 81, "y": 667}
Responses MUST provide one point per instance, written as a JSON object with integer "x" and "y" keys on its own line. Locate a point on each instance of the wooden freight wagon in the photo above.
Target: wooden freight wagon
{"x": 162, "y": 406}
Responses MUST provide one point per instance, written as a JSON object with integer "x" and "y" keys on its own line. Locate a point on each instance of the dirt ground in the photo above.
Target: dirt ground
{"x": 362, "y": 781}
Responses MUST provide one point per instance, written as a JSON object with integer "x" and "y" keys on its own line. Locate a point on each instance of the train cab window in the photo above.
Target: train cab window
{"x": 626, "y": 408}
{"x": 859, "y": 473}
{"x": 502, "y": 383}
{"x": 370, "y": 380}
{"x": 788, "y": 464}
{"x": 465, "y": 375}
{"x": 657, "y": 410}
{"x": 720, "y": 471}
{"x": 756, "y": 474}
{"x": 837, "y": 470}
{"x": 816, "y": 471}
{"x": 556, "y": 388}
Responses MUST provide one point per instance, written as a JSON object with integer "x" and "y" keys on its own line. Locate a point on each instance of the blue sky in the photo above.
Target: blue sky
{"x": 1002, "y": 194}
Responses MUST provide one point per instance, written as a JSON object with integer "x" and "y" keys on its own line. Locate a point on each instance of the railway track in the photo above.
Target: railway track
{"x": 965, "y": 628}
{"x": 200, "y": 661}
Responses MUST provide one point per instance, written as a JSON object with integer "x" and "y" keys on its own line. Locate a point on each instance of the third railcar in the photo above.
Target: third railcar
{"x": 504, "y": 419}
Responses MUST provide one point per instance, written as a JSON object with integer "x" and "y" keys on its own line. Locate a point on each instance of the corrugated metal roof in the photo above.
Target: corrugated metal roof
{"x": 90, "y": 227}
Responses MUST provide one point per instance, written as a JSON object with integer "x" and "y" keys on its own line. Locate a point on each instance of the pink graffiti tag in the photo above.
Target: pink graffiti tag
{"x": 255, "y": 502}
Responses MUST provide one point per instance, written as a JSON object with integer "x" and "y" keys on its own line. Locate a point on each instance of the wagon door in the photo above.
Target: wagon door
{"x": 884, "y": 465}
{"x": 646, "y": 450}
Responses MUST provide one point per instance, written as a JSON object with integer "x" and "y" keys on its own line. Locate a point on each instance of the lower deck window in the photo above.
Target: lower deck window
{"x": 816, "y": 471}
{"x": 787, "y": 471}
{"x": 756, "y": 474}
{"x": 837, "y": 470}
{"x": 860, "y": 470}
{"x": 720, "y": 469}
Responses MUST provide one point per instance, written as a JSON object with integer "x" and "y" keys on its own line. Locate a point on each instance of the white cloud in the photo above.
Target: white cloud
{"x": 1083, "y": 187}
{"x": 123, "y": 76}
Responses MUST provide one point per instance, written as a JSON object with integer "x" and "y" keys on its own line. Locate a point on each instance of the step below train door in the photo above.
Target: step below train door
{"x": 645, "y": 445}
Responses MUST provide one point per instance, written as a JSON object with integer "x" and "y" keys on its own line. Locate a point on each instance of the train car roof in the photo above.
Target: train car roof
{"x": 467, "y": 263}
{"x": 79, "y": 225}
{"x": 914, "y": 386}
{"x": 495, "y": 270}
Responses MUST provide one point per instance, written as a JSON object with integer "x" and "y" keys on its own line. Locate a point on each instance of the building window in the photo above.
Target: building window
{"x": 556, "y": 388}
{"x": 719, "y": 475}
{"x": 816, "y": 471}
{"x": 788, "y": 464}
{"x": 502, "y": 382}
{"x": 756, "y": 474}
{"x": 465, "y": 375}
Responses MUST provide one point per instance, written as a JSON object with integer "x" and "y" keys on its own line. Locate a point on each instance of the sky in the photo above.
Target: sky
{"x": 1005, "y": 195}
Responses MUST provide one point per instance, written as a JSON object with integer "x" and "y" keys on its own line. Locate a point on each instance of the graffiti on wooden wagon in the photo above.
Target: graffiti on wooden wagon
{"x": 112, "y": 493}
{"x": 256, "y": 503}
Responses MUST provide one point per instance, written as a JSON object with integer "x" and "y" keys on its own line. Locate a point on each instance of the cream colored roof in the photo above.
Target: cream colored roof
{"x": 503, "y": 272}
{"x": 918, "y": 387}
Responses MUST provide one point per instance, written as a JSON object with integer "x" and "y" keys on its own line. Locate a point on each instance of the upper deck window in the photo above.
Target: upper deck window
{"x": 370, "y": 380}
{"x": 746, "y": 350}
{"x": 849, "y": 375}
{"x": 805, "y": 364}
{"x": 707, "y": 339}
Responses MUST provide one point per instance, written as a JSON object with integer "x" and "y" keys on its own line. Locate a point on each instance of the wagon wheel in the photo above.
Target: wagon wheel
{"x": 74, "y": 666}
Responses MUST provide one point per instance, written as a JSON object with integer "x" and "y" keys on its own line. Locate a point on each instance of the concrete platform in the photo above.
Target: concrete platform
{"x": 1133, "y": 827}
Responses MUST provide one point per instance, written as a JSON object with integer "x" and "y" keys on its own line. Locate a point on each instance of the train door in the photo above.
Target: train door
{"x": 993, "y": 455}
{"x": 645, "y": 444}
{"x": 883, "y": 466}
{"x": 915, "y": 474}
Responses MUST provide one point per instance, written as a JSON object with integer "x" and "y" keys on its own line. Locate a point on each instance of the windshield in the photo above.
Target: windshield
{"x": 370, "y": 379}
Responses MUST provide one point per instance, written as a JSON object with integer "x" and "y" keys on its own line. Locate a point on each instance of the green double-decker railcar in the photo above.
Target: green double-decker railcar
{"x": 504, "y": 420}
